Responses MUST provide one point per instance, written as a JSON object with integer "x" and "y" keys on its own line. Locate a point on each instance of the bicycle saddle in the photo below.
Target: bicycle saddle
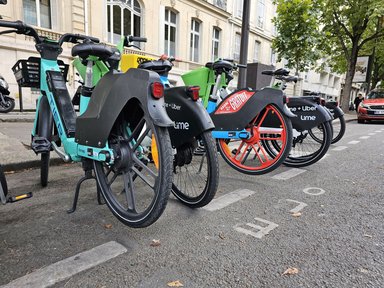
{"x": 278, "y": 72}
{"x": 84, "y": 50}
{"x": 159, "y": 66}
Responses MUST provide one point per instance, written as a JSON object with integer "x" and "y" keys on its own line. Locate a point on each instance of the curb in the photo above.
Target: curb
{"x": 12, "y": 167}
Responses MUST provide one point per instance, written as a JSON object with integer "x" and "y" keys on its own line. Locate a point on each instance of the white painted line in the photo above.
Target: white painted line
{"x": 340, "y": 148}
{"x": 371, "y": 134}
{"x": 322, "y": 158}
{"x": 299, "y": 207}
{"x": 262, "y": 231}
{"x": 353, "y": 142}
{"x": 378, "y": 131}
{"x": 228, "y": 199}
{"x": 364, "y": 137}
{"x": 66, "y": 268}
{"x": 314, "y": 191}
{"x": 288, "y": 174}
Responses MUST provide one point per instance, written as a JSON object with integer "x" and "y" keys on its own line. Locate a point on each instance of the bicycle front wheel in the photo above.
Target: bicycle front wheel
{"x": 137, "y": 185}
{"x": 252, "y": 156}
{"x": 196, "y": 172}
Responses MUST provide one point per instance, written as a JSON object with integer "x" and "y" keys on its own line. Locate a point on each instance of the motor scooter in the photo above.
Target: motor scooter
{"x": 7, "y": 104}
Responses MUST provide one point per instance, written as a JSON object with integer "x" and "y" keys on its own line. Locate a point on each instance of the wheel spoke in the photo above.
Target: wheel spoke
{"x": 141, "y": 139}
{"x": 115, "y": 174}
{"x": 129, "y": 195}
{"x": 143, "y": 166}
{"x": 143, "y": 177}
{"x": 136, "y": 130}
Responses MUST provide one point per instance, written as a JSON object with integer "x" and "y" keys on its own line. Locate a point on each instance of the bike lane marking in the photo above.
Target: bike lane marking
{"x": 66, "y": 268}
{"x": 364, "y": 137}
{"x": 288, "y": 174}
{"x": 314, "y": 191}
{"x": 261, "y": 231}
{"x": 339, "y": 148}
{"x": 354, "y": 142}
{"x": 299, "y": 207}
{"x": 378, "y": 131}
{"x": 228, "y": 199}
{"x": 371, "y": 134}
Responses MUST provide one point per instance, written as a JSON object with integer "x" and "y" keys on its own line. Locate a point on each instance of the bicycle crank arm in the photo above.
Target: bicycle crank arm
{"x": 62, "y": 154}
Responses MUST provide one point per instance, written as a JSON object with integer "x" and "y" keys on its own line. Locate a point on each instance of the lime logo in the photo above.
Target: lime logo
{"x": 181, "y": 125}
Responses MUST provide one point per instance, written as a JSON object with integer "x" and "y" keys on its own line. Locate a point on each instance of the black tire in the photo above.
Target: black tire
{"x": 44, "y": 168}
{"x": 360, "y": 121}
{"x": 195, "y": 183}
{"x": 149, "y": 184}
{"x": 271, "y": 124}
{"x": 44, "y": 129}
{"x": 307, "y": 149}
{"x": 339, "y": 127}
{"x": 8, "y": 106}
{"x": 3, "y": 182}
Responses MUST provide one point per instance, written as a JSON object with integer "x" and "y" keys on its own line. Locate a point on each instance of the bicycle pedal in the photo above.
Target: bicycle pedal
{"x": 40, "y": 145}
{"x": 19, "y": 197}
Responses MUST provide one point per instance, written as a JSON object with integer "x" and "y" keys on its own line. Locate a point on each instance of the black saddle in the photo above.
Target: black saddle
{"x": 220, "y": 65}
{"x": 278, "y": 72}
{"x": 84, "y": 50}
{"x": 158, "y": 66}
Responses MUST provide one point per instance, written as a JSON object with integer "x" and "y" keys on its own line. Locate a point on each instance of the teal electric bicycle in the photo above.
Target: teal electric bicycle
{"x": 120, "y": 136}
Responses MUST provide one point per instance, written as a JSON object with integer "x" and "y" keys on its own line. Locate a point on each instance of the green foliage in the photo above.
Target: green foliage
{"x": 298, "y": 33}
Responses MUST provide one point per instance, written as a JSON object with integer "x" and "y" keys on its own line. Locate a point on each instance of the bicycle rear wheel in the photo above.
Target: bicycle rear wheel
{"x": 338, "y": 129}
{"x": 196, "y": 172}
{"x": 137, "y": 185}
{"x": 251, "y": 156}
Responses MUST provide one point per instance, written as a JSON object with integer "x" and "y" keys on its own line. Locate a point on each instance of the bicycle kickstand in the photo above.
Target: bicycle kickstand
{"x": 88, "y": 168}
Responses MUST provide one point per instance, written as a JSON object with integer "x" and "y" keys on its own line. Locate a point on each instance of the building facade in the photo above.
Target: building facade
{"x": 194, "y": 31}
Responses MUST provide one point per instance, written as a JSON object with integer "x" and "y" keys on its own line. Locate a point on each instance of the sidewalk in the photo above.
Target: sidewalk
{"x": 15, "y": 138}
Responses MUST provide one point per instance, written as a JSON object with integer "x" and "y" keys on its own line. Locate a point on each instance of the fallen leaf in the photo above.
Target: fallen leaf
{"x": 108, "y": 226}
{"x": 176, "y": 283}
{"x": 221, "y": 235}
{"x": 155, "y": 243}
{"x": 367, "y": 235}
{"x": 291, "y": 271}
{"x": 296, "y": 214}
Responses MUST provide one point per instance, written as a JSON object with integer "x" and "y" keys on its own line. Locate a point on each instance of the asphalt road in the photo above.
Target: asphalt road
{"x": 325, "y": 222}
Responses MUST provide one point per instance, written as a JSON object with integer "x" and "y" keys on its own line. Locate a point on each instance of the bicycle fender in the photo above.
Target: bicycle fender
{"x": 335, "y": 110}
{"x": 309, "y": 113}
{"x": 109, "y": 98}
{"x": 190, "y": 117}
{"x": 240, "y": 107}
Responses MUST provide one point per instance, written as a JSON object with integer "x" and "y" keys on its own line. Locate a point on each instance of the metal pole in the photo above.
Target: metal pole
{"x": 241, "y": 83}
{"x": 21, "y": 99}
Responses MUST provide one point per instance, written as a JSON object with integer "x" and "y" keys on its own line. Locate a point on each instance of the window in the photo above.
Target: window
{"x": 239, "y": 8}
{"x": 236, "y": 52}
{"x": 256, "y": 52}
{"x": 273, "y": 57}
{"x": 170, "y": 32}
{"x": 221, "y": 4}
{"x": 195, "y": 40}
{"x": 260, "y": 13}
{"x": 123, "y": 19}
{"x": 37, "y": 13}
{"x": 215, "y": 43}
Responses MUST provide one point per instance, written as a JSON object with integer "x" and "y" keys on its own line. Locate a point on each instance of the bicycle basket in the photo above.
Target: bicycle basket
{"x": 27, "y": 72}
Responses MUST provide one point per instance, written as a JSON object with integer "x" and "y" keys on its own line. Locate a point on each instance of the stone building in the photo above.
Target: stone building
{"x": 194, "y": 31}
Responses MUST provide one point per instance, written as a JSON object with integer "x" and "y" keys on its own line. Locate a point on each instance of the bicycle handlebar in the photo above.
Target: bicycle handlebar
{"x": 23, "y": 28}
{"x": 73, "y": 38}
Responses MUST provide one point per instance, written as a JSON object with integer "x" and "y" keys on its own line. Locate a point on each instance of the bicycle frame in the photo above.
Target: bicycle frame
{"x": 48, "y": 88}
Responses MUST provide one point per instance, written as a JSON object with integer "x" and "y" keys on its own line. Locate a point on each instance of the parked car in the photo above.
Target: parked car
{"x": 372, "y": 107}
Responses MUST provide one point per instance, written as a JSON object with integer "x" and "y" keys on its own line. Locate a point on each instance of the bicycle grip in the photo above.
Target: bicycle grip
{"x": 136, "y": 39}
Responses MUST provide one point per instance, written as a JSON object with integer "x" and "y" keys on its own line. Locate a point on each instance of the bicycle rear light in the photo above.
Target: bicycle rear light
{"x": 157, "y": 90}
{"x": 193, "y": 92}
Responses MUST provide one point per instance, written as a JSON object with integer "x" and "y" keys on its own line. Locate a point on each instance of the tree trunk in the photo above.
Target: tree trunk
{"x": 344, "y": 101}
